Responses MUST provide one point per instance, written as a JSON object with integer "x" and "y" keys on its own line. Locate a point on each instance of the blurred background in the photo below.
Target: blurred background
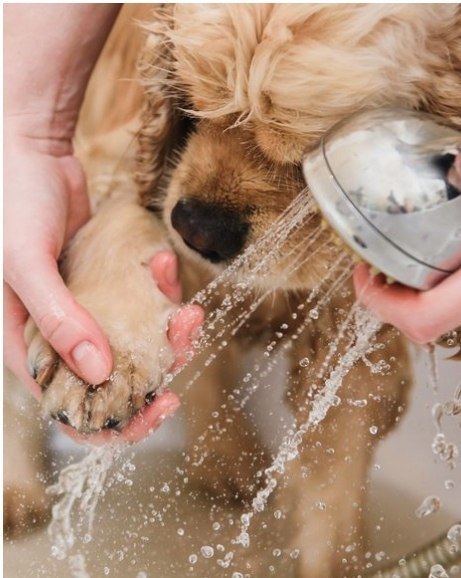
{"x": 149, "y": 522}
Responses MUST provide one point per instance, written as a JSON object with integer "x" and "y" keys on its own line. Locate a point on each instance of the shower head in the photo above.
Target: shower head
{"x": 386, "y": 182}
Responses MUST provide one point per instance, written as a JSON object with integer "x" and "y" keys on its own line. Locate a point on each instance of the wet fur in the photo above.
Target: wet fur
{"x": 261, "y": 83}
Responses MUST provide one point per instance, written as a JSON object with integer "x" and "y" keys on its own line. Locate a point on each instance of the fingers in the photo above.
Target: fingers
{"x": 143, "y": 423}
{"x": 186, "y": 322}
{"x": 164, "y": 268}
{"x": 14, "y": 348}
{"x": 422, "y": 315}
{"x": 182, "y": 332}
{"x": 66, "y": 325}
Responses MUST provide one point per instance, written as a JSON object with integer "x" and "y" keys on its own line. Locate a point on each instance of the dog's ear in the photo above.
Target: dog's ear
{"x": 164, "y": 126}
{"x": 440, "y": 90}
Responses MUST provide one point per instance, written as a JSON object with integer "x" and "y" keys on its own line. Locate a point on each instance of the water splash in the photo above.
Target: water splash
{"x": 446, "y": 451}
{"x": 366, "y": 328}
{"x": 82, "y": 486}
{"x": 79, "y": 487}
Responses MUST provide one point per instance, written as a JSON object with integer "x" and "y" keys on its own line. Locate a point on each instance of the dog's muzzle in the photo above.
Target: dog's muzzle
{"x": 217, "y": 233}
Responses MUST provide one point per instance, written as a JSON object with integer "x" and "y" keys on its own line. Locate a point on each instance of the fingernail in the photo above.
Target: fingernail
{"x": 90, "y": 363}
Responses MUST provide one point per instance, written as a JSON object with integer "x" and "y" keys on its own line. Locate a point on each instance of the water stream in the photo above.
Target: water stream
{"x": 81, "y": 485}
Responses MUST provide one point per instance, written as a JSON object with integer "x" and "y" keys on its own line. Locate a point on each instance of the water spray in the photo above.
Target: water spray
{"x": 386, "y": 182}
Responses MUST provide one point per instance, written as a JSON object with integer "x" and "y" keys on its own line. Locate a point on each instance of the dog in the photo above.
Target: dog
{"x": 233, "y": 98}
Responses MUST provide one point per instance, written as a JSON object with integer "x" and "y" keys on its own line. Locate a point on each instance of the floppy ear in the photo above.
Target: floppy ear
{"x": 163, "y": 125}
{"x": 441, "y": 90}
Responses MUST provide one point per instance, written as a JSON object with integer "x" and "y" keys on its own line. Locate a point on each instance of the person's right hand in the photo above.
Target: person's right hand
{"x": 45, "y": 202}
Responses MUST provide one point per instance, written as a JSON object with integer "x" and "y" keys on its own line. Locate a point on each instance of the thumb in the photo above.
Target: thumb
{"x": 63, "y": 322}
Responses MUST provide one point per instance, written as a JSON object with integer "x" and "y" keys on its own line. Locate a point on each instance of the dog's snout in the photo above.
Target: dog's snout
{"x": 218, "y": 233}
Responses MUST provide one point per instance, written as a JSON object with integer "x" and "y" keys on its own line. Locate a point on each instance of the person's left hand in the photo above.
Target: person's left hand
{"x": 423, "y": 316}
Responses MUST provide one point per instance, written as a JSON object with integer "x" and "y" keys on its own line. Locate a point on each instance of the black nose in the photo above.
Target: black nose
{"x": 218, "y": 233}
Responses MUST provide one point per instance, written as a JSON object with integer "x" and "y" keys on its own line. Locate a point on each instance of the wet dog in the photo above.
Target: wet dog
{"x": 234, "y": 96}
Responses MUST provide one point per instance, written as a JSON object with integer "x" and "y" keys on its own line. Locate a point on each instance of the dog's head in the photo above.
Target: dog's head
{"x": 236, "y": 94}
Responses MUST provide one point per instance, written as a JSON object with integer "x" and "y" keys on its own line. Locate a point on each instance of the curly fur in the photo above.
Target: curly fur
{"x": 261, "y": 83}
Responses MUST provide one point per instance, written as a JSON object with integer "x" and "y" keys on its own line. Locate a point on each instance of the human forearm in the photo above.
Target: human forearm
{"x": 50, "y": 51}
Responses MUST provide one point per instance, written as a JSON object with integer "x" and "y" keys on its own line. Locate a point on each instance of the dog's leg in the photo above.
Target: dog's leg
{"x": 224, "y": 453}
{"x": 326, "y": 488}
{"x": 25, "y": 503}
{"x": 107, "y": 269}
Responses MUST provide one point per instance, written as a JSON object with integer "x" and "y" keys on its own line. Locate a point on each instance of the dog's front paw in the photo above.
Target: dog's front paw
{"x": 139, "y": 363}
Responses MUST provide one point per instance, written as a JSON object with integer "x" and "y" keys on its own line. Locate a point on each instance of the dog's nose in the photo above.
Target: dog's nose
{"x": 217, "y": 233}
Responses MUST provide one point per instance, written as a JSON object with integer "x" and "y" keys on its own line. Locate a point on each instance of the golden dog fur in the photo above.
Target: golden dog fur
{"x": 262, "y": 83}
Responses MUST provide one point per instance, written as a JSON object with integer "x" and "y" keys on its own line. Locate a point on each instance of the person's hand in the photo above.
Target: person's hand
{"x": 45, "y": 199}
{"x": 45, "y": 203}
{"x": 423, "y": 316}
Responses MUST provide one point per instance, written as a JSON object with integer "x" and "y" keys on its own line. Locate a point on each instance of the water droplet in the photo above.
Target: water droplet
{"x": 277, "y": 514}
{"x": 180, "y": 531}
{"x": 429, "y": 505}
{"x": 438, "y": 571}
{"x": 358, "y": 402}
{"x": 216, "y": 526}
{"x": 314, "y": 314}
{"x": 276, "y": 552}
{"x": 294, "y": 554}
{"x": 454, "y": 534}
{"x": 207, "y": 551}
{"x": 373, "y": 430}
{"x": 449, "y": 484}
{"x": 57, "y": 553}
{"x": 304, "y": 362}
{"x": 237, "y": 575}
{"x": 321, "y": 506}
{"x": 193, "y": 559}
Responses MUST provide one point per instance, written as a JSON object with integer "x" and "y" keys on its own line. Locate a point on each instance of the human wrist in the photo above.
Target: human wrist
{"x": 46, "y": 74}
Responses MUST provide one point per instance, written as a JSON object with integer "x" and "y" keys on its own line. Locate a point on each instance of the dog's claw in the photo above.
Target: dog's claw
{"x": 150, "y": 397}
{"x": 62, "y": 416}
{"x": 44, "y": 375}
{"x": 112, "y": 423}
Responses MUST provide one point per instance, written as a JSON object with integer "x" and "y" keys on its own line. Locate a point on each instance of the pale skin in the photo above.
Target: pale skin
{"x": 46, "y": 199}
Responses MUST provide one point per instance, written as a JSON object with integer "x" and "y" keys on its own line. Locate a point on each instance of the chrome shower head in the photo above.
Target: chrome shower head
{"x": 385, "y": 180}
